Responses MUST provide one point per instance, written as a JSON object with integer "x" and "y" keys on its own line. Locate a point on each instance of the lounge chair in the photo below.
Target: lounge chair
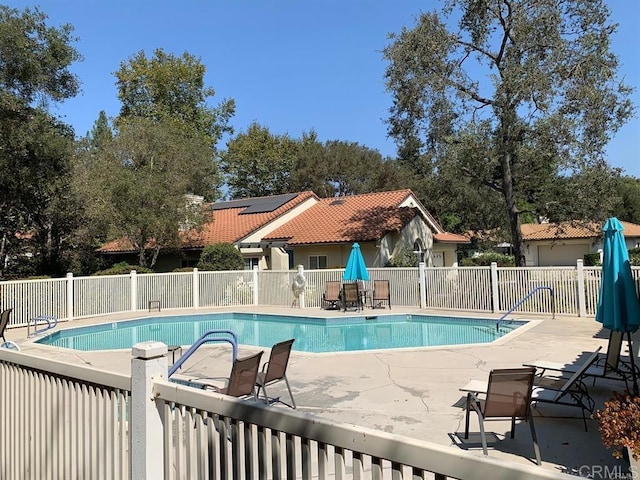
{"x": 241, "y": 382}
{"x": 381, "y": 293}
{"x": 331, "y": 295}
{"x": 608, "y": 366}
{"x": 351, "y": 297}
{"x": 275, "y": 370}
{"x": 508, "y": 395}
{"x": 573, "y": 393}
{"x": 4, "y": 321}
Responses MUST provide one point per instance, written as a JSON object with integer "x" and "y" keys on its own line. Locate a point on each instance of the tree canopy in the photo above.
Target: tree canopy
{"x": 514, "y": 95}
{"x": 259, "y": 163}
{"x": 35, "y": 147}
{"x": 166, "y": 87}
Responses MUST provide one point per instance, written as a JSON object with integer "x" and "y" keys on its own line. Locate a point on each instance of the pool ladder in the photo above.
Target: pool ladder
{"x": 216, "y": 335}
{"x": 525, "y": 298}
{"x": 50, "y": 320}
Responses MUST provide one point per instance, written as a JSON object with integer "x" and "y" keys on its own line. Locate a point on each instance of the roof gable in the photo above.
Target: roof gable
{"x": 354, "y": 218}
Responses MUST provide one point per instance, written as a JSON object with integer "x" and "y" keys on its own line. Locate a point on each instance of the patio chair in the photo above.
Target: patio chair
{"x": 275, "y": 370}
{"x": 4, "y": 321}
{"x": 508, "y": 395}
{"x": 331, "y": 295}
{"x": 241, "y": 382}
{"x": 381, "y": 293}
{"x": 608, "y": 366}
{"x": 573, "y": 393}
{"x": 351, "y": 297}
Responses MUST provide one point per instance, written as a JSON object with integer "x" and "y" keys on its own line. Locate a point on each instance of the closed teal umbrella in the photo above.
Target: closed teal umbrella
{"x": 356, "y": 269}
{"x": 618, "y": 305}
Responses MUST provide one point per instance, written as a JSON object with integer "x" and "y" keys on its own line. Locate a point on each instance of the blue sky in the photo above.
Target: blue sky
{"x": 291, "y": 65}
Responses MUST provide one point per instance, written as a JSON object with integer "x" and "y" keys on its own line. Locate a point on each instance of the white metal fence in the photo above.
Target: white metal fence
{"x": 66, "y": 421}
{"x": 475, "y": 289}
{"x": 61, "y": 421}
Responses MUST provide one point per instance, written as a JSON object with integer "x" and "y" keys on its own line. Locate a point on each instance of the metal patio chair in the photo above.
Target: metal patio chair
{"x": 508, "y": 396}
{"x": 275, "y": 370}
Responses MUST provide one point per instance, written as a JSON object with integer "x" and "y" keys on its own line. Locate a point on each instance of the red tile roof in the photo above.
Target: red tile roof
{"x": 355, "y": 218}
{"x": 571, "y": 230}
{"x": 227, "y": 225}
{"x": 447, "y": 237}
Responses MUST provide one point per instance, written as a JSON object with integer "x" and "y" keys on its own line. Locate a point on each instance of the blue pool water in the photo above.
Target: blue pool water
{"x": 312, "y": 334}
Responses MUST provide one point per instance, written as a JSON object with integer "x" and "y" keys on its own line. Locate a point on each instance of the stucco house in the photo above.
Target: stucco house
{"x": 562, "y": 244}
{"x": 281, "y": 231}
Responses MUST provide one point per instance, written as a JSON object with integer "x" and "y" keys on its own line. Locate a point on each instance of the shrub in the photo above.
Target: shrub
{"x": 220, "y": 256}
{"x": 634, "y": 256}
{"x": 486, "y": 259}
{"x": 592, "y": 260}
{"x": 183, "y": 269}
{"x": 123, "y": 268}
{"x": 403, "y": 258}
{"x": 619, "y": 424}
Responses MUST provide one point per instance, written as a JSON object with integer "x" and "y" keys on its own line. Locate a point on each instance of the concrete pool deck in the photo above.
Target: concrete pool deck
{"x": 415, "y": 392}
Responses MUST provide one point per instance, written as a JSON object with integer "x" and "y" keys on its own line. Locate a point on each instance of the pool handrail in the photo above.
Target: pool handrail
{"x": 525, "y": 298}
{"x": 204, "y": 338}
{"x": 41, "y": 318}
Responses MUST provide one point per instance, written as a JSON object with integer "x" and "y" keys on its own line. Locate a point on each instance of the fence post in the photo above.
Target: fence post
{"x": 301, "y": 297}
{"x": 149, "y": 363}
{"x": 422, "y": 273}
{"x": 495, "y": 297}
{"x": 69, "y": 296}
{"x": 134, "y": 291}
{"x": 196, "y": 289}
{"x": 582, "y": 301}
{"x": 255, "y": 286}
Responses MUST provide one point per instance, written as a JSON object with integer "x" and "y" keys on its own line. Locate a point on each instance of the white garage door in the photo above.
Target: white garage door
{"x": 561, "y": 255}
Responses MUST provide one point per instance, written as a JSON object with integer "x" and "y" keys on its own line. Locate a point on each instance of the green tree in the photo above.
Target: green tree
{"x": 37, "y": 210}
{"x": 311, "y": 170}
{"x": 220, "y": 256}
{"x": 165, "y": 87}
{"x": 258, "y": 163}
{"x": 515, "y": 95}
{"x": 353, "y": 168}
{"x": 628, "y": 207}
{"x": 138, "y": 181}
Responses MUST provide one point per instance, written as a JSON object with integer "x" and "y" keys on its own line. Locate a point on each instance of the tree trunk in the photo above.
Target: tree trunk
{"x": 512, "y": 209}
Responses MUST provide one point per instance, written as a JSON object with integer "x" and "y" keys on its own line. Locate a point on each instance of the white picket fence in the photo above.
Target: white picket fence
{"x": 66, "y": 421}
{"x": 474, "y": 289}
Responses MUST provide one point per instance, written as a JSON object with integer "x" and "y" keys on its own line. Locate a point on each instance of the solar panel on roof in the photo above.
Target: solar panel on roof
{"x": 256, "y": 205}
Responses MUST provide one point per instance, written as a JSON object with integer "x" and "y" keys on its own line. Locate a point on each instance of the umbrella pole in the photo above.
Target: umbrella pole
{"x": 633, "y": 366}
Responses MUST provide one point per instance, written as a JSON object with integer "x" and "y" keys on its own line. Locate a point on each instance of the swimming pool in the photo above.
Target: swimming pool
{"x": 312, "y": 334}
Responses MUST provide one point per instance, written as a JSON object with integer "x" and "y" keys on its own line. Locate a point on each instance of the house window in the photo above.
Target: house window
{"x": 317, "y": 262}
{"x": 188, "y": 262}
{"x": 251, "y": 262}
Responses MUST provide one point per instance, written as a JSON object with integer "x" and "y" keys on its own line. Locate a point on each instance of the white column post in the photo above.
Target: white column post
{"x": 582, "y": 301}
{"x": 255, "y": 286}
{"x": 196, "y": 289}
{"x": 301, "y": 297}
{"x": 134, "y": 291}
{"x": 69, "y": 296}
{"x": 494, "y": 287}
{"x": 149, "y": 363}
{"x": 422, "y": 273}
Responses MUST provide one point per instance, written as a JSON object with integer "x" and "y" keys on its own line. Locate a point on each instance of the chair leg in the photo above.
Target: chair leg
{"x": 483, "y": 435}
{"x": 536, "y": 447}
{"x": 266, "y": 395}
{"x": 466, "y": 417}
{"x": 513, "y": 427}
{"x": 293, "y": 402}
